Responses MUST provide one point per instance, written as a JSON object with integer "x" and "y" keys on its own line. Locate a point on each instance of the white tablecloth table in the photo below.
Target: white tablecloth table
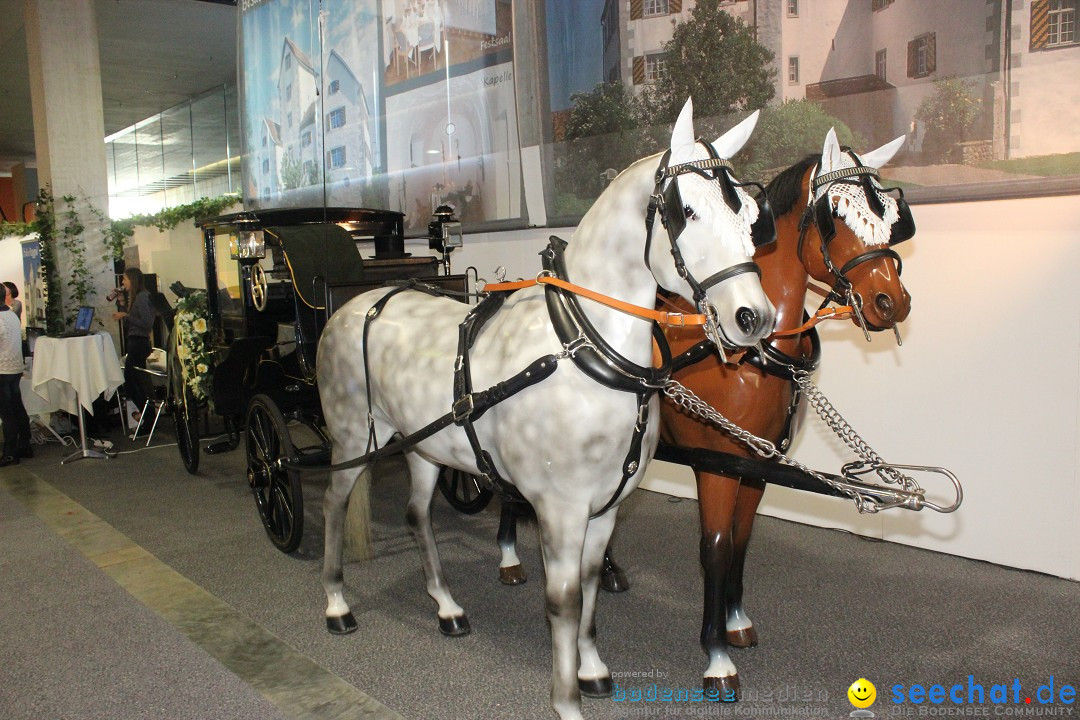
{"x": 69, "y": 374}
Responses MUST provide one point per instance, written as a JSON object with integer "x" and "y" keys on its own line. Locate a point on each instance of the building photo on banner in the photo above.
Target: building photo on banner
{"x": 407, "y": 107}
{"x": 800, "y": 271}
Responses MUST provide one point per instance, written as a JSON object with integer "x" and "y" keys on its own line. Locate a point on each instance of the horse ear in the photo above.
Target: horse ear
{"x": 878, "y": 158}
{"x": 830, "y": 153}
{"x": 731, "y": 142}
{"x": 682, "y": 136}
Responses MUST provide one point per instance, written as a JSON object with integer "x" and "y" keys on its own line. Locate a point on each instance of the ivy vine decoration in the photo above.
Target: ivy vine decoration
{"x": 192, "y": 343}
{"x": 45, "y": 226}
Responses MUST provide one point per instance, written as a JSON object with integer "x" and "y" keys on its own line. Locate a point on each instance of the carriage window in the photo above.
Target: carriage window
{"x": 654, "y": 8}
{"x": 1061, "y": 21}
{"x": 230, "y": 295}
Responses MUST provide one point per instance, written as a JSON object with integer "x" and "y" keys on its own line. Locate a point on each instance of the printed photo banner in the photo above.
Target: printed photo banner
{"x": 398, "y": 104}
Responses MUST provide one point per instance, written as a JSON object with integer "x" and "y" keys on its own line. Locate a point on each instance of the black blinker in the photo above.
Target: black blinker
{"x": 904, "y": 227}
{"x": 823, "y": 216}
{"x": 674, "y": 217}
{"x": 763, "y": 231}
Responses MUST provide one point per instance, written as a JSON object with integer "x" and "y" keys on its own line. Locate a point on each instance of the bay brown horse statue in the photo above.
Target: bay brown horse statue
{"x": 837, "y": 232}
{"x": 834, "y": 225}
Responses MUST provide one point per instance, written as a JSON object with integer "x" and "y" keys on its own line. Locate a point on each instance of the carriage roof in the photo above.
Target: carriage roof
{"x": 317, "y": 242}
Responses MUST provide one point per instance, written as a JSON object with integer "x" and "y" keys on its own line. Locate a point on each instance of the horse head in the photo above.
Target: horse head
{"x": 713, "y": 227}
{"x": 848, "y": 229}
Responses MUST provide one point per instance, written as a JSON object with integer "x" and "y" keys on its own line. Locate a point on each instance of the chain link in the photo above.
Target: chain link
{"x": 688, "y": 400}
{"x": 836, "y": 422}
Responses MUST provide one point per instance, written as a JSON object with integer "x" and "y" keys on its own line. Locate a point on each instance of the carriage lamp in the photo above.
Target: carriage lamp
{"x": 444, "y": 230}
{"x": 248, "y": 243}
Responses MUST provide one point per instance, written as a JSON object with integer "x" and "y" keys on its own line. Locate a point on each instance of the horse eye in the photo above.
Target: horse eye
{"x": 690, "y": 214}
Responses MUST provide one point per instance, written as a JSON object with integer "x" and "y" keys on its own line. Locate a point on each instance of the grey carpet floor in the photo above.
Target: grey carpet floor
{"x": 830, "y": 608}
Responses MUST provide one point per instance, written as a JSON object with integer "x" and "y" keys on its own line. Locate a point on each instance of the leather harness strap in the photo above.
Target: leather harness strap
{"x": 671, "y": 319}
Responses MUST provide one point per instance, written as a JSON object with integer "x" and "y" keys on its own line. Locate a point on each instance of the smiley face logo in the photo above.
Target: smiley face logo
{"x": 862, "y": 693}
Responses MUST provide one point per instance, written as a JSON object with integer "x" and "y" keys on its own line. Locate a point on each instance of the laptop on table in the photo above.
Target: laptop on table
{"x": 83, "y": 321}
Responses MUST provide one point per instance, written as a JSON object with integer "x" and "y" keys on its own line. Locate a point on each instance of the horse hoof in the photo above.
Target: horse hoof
{"x": 721, "y": 689}
{"x": 454, "y": 626}
{"x": 613, "y": 580}
{"x": 595, "y": 687}
{"x": 744, "y": 638}
{"x": 513, "y": 575}
{"x": 342, "y": 625}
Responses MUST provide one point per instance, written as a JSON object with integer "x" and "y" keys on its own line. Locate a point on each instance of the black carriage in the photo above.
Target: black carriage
{"x": 273, "y": 278}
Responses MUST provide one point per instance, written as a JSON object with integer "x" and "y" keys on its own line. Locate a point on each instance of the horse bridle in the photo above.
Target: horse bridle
{"x": 674, "y": 213}
{"x": 824, "y": 216}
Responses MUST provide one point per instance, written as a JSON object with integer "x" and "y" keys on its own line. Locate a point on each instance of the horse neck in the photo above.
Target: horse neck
{"x": 783, "y": 275}
{"x": 607, "y": 255}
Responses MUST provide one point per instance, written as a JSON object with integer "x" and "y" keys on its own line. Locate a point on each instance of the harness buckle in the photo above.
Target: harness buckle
{"x": 463, "y": 408}
{"x": 570, "y": 349}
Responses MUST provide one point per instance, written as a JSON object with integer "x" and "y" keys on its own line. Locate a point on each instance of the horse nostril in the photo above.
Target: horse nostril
{"x": 747, "y": 320}
{"x": 884, "y": 305}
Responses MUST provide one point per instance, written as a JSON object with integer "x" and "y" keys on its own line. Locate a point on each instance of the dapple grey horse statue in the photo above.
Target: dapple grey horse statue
{"x": 561, "y": 443}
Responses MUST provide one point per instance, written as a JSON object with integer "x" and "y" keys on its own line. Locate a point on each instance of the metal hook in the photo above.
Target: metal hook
{"x": 855, "y": 300}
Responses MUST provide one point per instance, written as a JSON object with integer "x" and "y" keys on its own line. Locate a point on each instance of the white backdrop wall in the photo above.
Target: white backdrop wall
{"x": 985, "y": 384}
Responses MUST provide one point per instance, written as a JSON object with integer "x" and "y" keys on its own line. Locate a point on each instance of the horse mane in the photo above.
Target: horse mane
{"x": 785, "y": 189}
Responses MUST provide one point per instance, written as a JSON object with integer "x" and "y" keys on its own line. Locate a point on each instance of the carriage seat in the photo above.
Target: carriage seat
{"x": 318, "y": 256}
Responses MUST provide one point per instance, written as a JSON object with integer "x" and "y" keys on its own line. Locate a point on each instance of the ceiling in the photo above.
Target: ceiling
{"x": 154, "y": 54}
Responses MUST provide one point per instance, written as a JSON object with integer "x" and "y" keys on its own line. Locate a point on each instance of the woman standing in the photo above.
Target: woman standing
{"x": 138, "y": 316}
{"x": 12, "y": 413}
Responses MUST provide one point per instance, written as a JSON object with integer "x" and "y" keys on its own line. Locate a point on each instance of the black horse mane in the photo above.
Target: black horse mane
{"x": 786, "y": 188}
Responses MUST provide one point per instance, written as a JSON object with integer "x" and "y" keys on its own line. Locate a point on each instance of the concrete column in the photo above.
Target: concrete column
{"x": 69, "y": 126}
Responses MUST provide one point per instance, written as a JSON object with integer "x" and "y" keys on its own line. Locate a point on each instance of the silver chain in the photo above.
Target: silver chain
{"x": 685, "y": 398}
{"x": 836, "y": 422}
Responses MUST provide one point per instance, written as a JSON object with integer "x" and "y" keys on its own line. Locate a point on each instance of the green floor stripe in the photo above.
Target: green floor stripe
{"x": 295, "y": 683}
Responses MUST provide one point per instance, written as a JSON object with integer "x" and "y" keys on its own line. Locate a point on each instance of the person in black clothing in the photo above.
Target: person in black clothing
{"x": 12, "y": 413}
{"x": 138, "y": 316}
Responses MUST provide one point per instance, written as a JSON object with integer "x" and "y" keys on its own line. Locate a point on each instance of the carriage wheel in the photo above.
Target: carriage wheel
{"x": 186, "y": 421}
{"x": 278, "y": 494}
{"x": 463, "y": 491}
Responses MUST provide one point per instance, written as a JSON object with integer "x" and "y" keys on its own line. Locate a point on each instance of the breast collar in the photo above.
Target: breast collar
{"x": 590, "y": 352}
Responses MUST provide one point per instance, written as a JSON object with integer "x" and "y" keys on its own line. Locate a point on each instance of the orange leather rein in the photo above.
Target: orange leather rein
{"x": 671, "y": 319}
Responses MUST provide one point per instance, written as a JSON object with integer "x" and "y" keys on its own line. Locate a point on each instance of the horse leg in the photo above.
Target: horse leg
{"x": 423, "y": 479}
{"x": 716, "y": 502}
{"x": 740, "y": 630}
{"x": 510, "y": 570}
{"x": 612, "y": 577}
{"x": 339, "y": 618}
{"x": 594, "y": 678}
{"x": 562, "y": 536}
